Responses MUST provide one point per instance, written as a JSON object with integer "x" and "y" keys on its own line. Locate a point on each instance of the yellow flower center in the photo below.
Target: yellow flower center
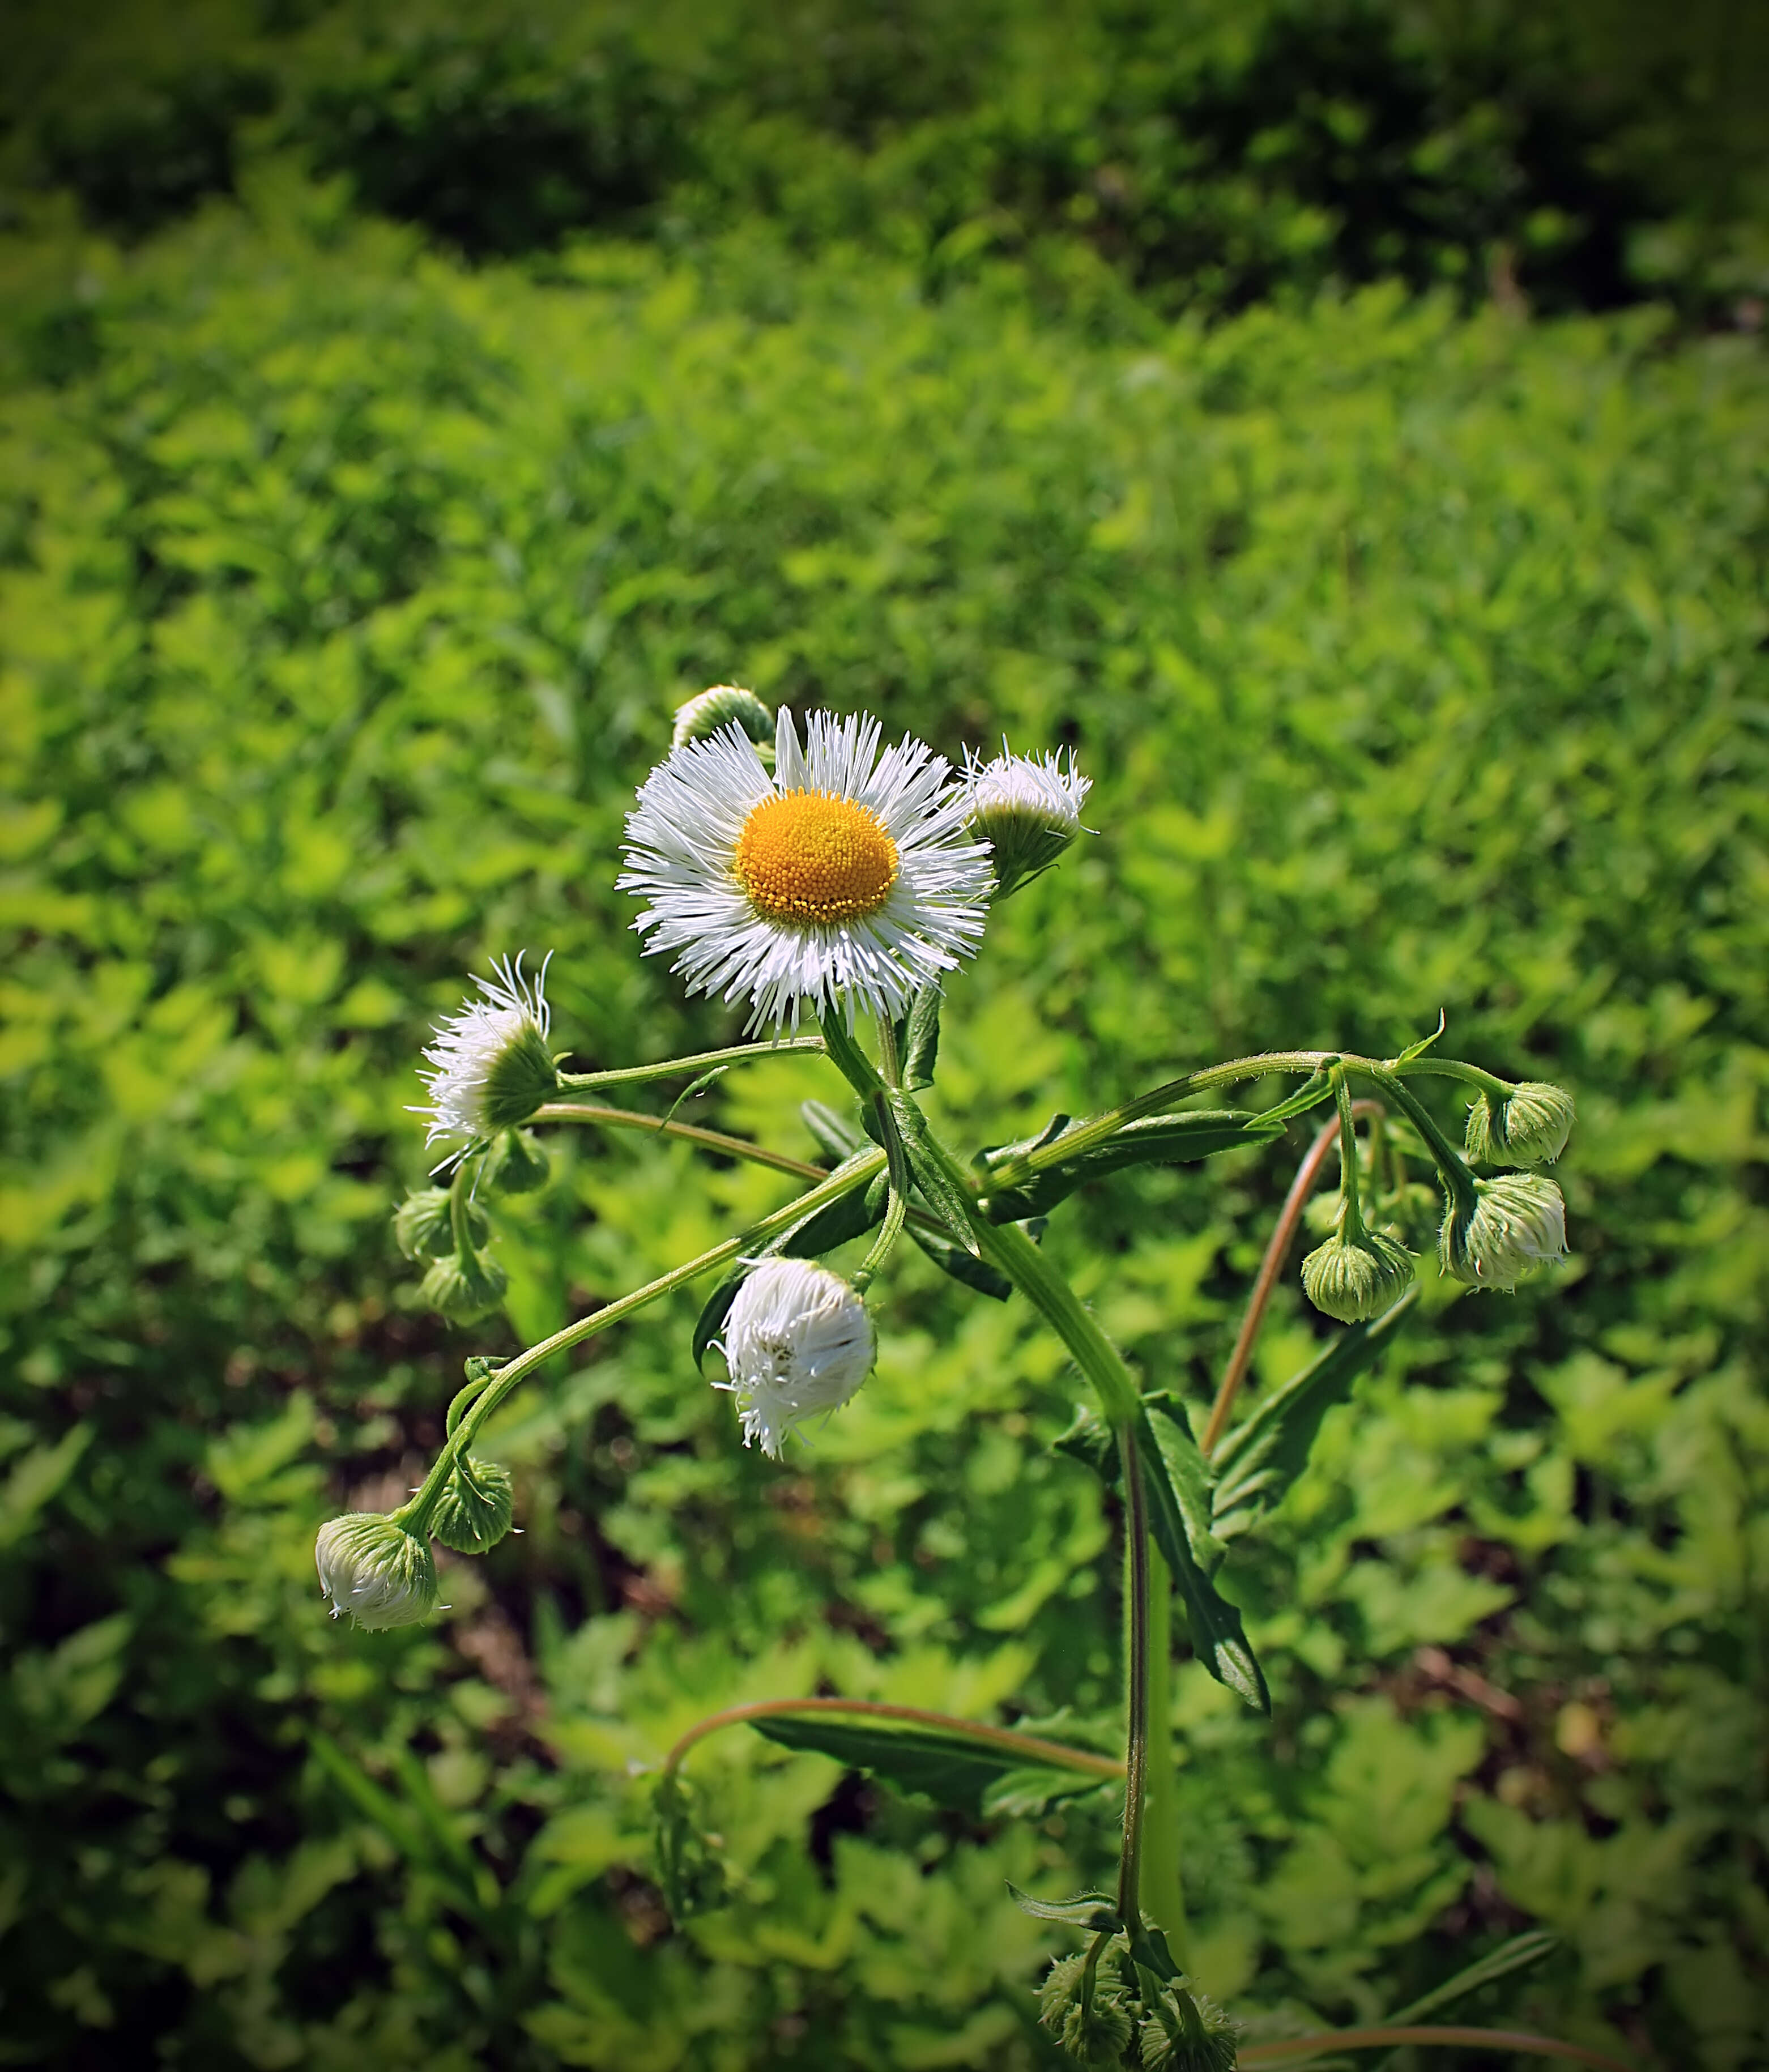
{"x": 803, "y": 856}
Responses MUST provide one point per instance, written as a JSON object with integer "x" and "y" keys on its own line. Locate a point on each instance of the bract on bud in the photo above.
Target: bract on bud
{"x": 491, "y": 1067}
{"x": 1529, "y": 1128}
{"x": 517, "y": 1163}
{"x": 462, "y": 1289}
{"x": 1355, "y": 1279}
{"x": 1098, "y": 2034}
{"x": 1027, "y": 810}
{"x": 382, "y": 1575}
{"x": 702, "y": 716}
{"x": 1189, "y": 2033}
{"x": 476, "y": 1507}
{"x": 1518, "y": 1225}
{"x": 421, "y": 1225}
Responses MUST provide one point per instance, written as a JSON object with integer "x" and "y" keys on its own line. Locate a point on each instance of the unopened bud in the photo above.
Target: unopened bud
{"x": 1518, "y": 1225}
{"x": 1529, "y": 1126}
{"x": 517, "y": 1163}
{"x": 462, "y": 1289}
{"x": 1097, "y": 2033}
{"x": 382, "y": 1575}
{"x": 1189, "y": 2033}
{"x": 702, "y": 716}
{"x": 1027, "y": 810}
{"x": 1355, "y": 1279}
{"x": 476, "y": 1506}
{"x": 421, "y": 1227}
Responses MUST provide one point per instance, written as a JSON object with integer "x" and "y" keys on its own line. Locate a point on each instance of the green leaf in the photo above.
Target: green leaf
{"x": 1159, "y": 1141}
{"x": 1167, "y": 1451}
{"x": 1259, "y": 1460}
{"x": 693, "y": 1089}
{"x": 1418, "y": 1050}
{"x": 918, "y": 1039}
{"x": 1097, "y": 1912}
{"x": 837, "y": 1137}
{"x": 943, "y": 1196}
{"x": 690, "y": 1873}
{"x": 944, "y": 1763}
{"x": 1025, "y": 1793}
{"x": 1516, "y": 1955}
{"x": 711, "y": 1320}
{"x": 953, "y": 1259}
{"x": 35, "y": 1479}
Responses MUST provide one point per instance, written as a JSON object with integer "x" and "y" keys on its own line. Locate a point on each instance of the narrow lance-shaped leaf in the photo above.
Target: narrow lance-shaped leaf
{"x": 1260, "y": 1459}
{"x": 918, "y": 1039}
{"x": 944, "y": 1763}
{"x": 943, "y": 1195}
{"x": 1520, "y": 1952}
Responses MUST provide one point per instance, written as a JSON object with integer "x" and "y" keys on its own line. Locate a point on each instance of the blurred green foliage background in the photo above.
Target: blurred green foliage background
{"x": 1347, "y": 429}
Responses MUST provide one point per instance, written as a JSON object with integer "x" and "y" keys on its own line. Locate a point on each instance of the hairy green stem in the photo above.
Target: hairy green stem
{"x": 1136, "y": 1756}
{"x": 1353, "y": 1224}
{"x": 415, "y": 1515}
{"x": 1164, "y": 1888}
{"x": 670, "y": 1068}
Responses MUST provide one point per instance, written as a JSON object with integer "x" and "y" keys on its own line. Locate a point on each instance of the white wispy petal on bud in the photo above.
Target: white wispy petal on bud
{"x": 490, "y": 1065}
{"x": 1529, "y": 1126}
{"x": 798, "y": 1342}
{"x": 382, "y": 1575}
{"x": 1519, "y": 1225}
{"x": 1027, "y": 808}
{"x": 702, "y": 716}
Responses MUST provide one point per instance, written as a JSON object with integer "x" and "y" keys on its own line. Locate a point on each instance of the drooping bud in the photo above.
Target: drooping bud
{"x": 1027, "y": 810}
{"x": 1189, "y": 2033}
{"x": 798, "y": 1342}
{"x": 1518, "y": 1225}
{"x": 1097, "y": 2033}
{"x": 1529, "y": 1126}
{"x": 382, "y": 1575}
{"x": 517, "y": 1163}
{"x": 463, "y": 1289}
{"x": 702, "y": 716}
{"x": 476, "y": 1507}
{"x": 491, "y": 1067}
{"x": 1357, "y": 1278}
{"x": 421, "y": 1227}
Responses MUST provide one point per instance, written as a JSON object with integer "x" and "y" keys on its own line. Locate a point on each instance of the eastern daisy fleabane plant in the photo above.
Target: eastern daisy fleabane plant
{"x": 798, "y": 1344}
{"x": 846, "y": 877}
{"x": 1028, "y": 809}
{"x": 490, "y": 1065}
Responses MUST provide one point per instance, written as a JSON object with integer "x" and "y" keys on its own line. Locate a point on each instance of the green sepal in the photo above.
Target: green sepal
{"x": 1256, "y": 1463}
{"x": 943, "y": 1763}
{"x": 516, "y": 1164}
{"x": 918, "y": 1039}
{"x": 1095, "y": 1912}
{"x": 690, "y": 1875}
{"x": 1159, "y": 1141}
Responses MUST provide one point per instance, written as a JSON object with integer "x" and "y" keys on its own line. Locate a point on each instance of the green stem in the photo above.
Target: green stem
{"x": 459, "y": 1228}
{"x": 1456, "y": 1178}
{"x": 1006, "y": 1246}
{"x": 1453, "y": 1068}
{"x": 415, "y": 1514}
{"x": 1352, "y": 1224}
{"x": 1136, "y": 1757}
{"x": 671, "y": 1067}
{"x": 1162, "y": 1884}
{"x": 1033, "y": 1747}
{"x": 690, "y": 1132}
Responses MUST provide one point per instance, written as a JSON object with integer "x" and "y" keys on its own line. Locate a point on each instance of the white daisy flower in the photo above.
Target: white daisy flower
{"x": 798, "y": 1342}
{"x": 846, "y": 875}
{"x": 382, "y": 1575}
{"x": 491, "y": 1067}
{"x": 1519, "y": 1223}
{"x": 1027, "y": 808}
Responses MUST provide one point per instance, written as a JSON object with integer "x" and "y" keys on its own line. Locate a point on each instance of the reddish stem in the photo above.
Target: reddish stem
{"x": 1294, "y": 2049}
{"x": 1032, "y": 1746}
{"x": 1270, "y": 1266}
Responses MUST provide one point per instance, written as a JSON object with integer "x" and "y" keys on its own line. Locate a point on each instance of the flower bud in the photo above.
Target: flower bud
{"x": 463, "y": 1288}
{"x": 702, "y": 716}
{"x": 490, "y": 1065}
{"x": 1529, "y": 1126}
{"x": 1355, "y": 1279}
{"x": 382, "y": 1575}
{"x": 1094, "y": 2035}
{"x": 1028, "y": 810}
{"x": 1519, "y": 1223}
{"x": 1190, "y": 2033}
{"x": 421, "y": 1227}
{"x": 476, "y": 1506}
{"x": 517, "y": 1163}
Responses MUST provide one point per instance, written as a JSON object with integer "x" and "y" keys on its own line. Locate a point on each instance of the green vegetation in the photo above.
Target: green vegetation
{"x": 346, "y": 586}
